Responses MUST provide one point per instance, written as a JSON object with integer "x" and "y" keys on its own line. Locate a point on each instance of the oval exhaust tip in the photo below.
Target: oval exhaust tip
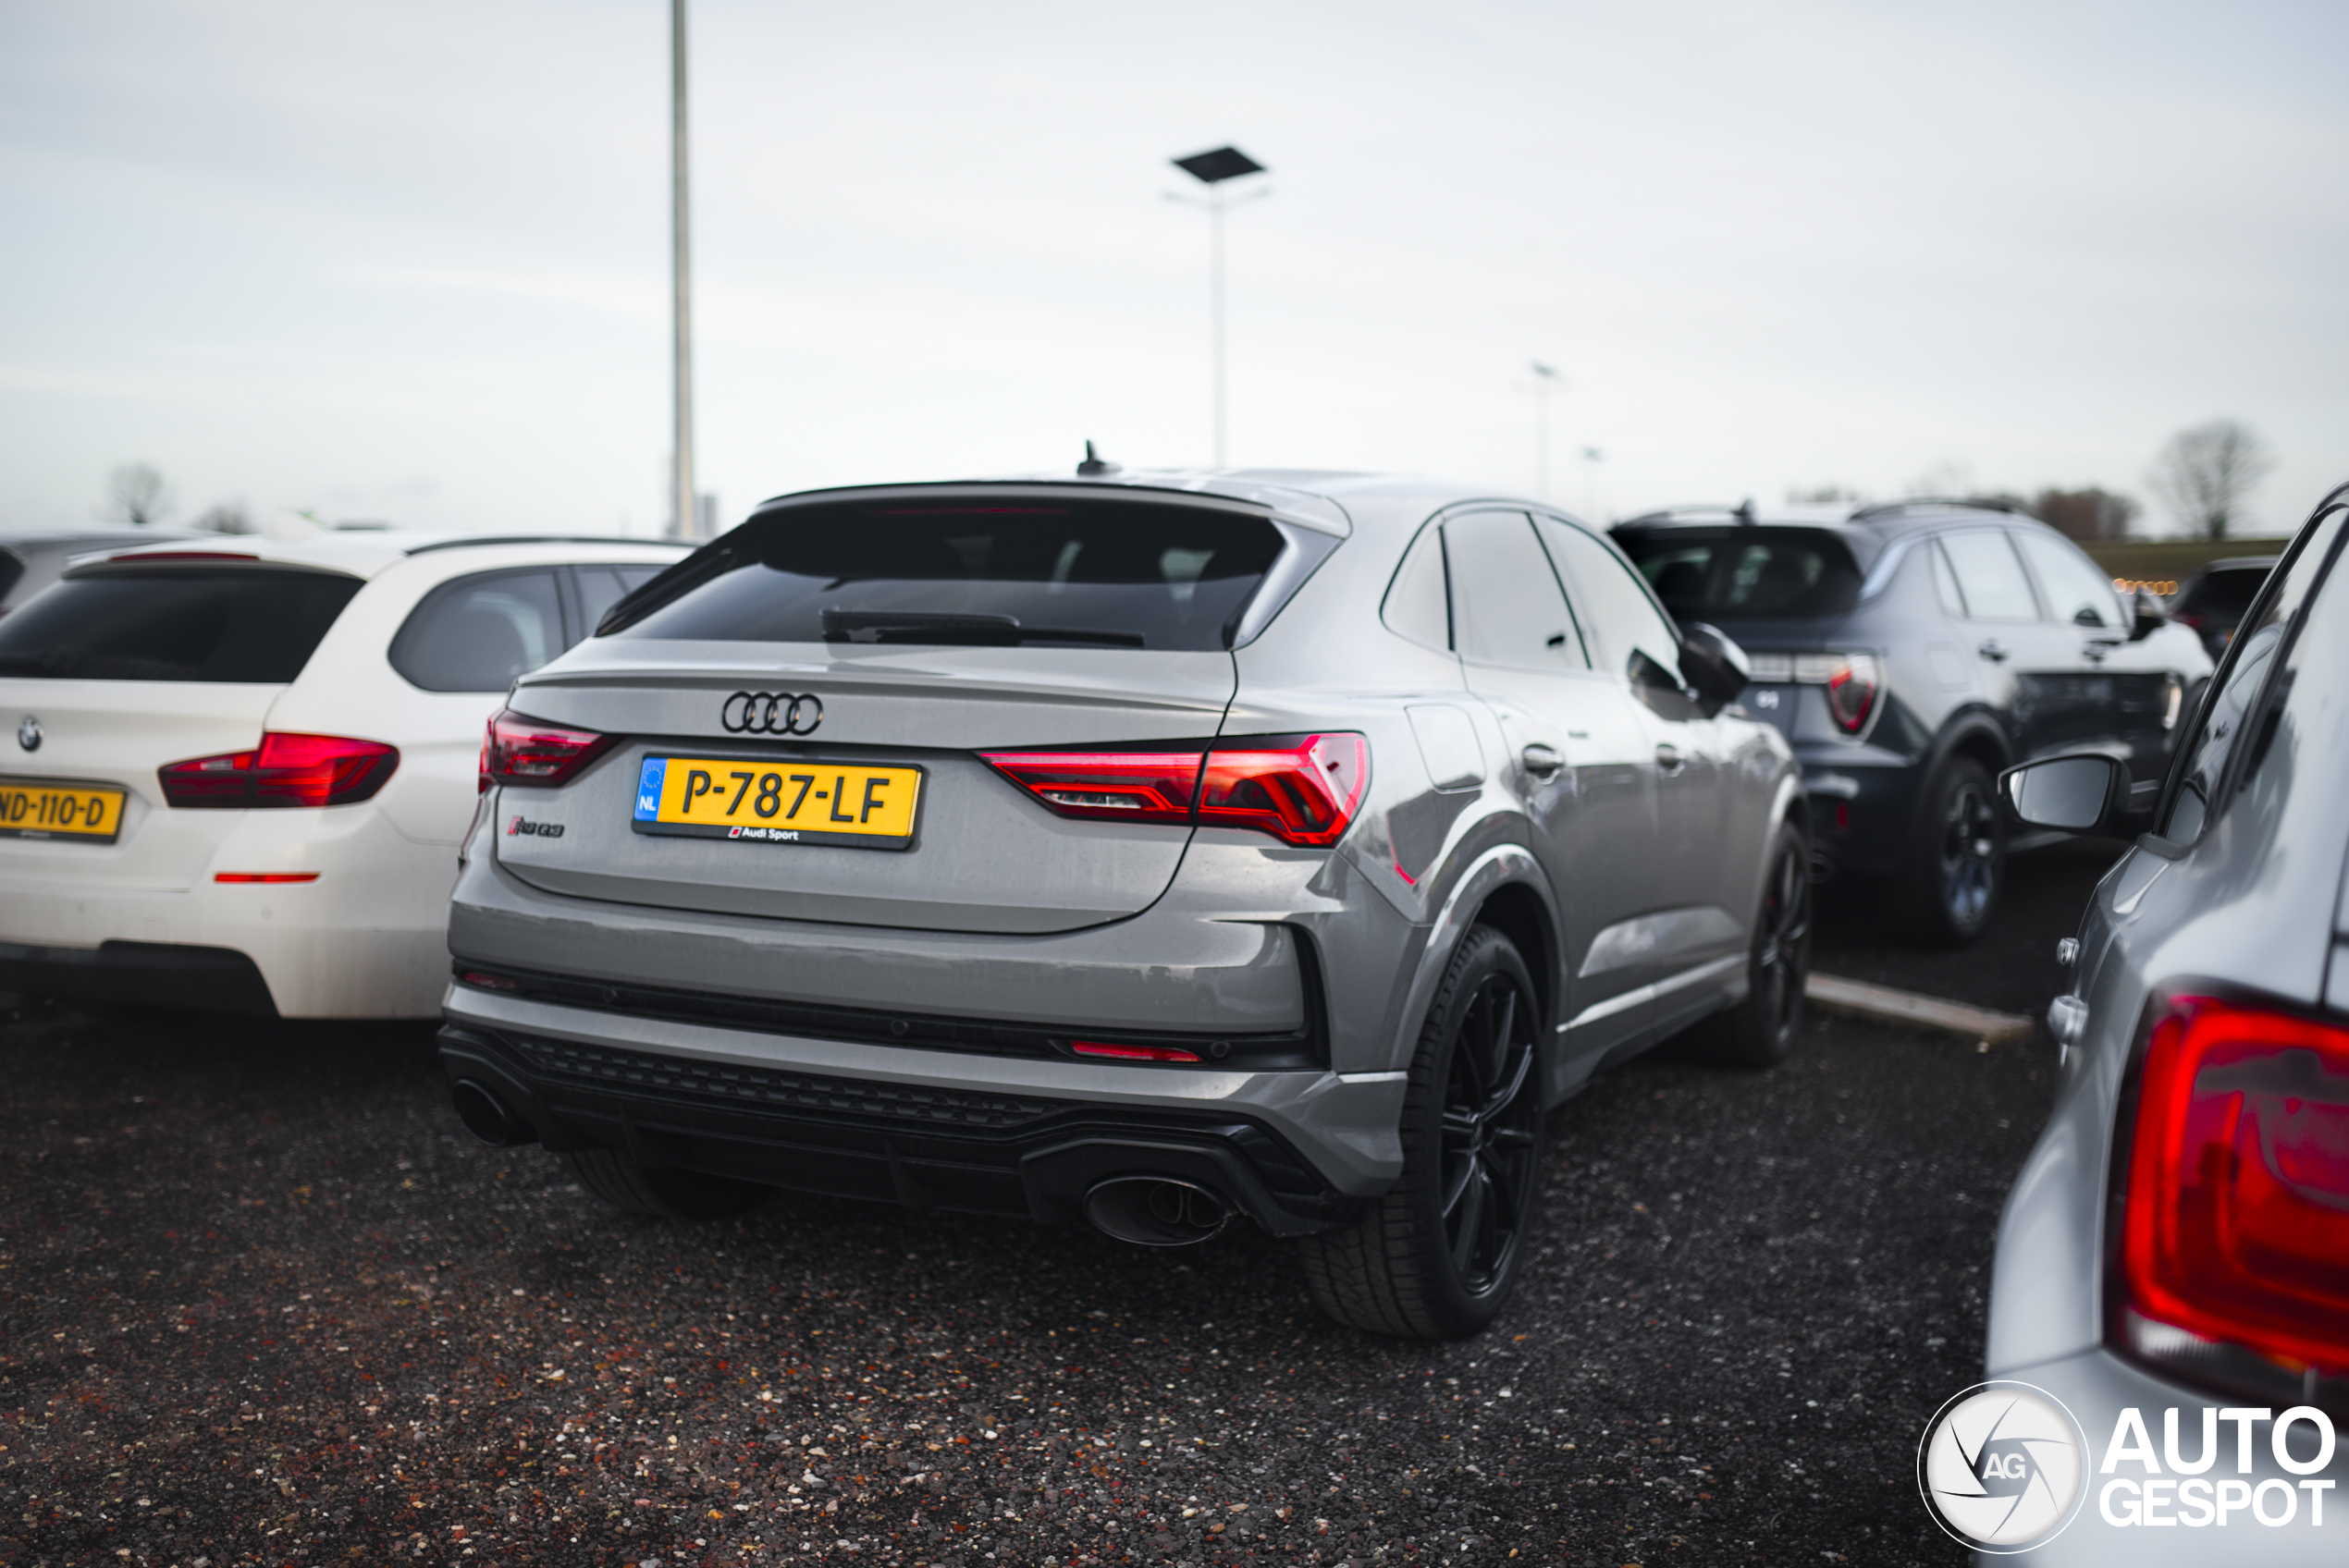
{"x": 1155, "y": 1211}
{"x": 488, "y": 1117}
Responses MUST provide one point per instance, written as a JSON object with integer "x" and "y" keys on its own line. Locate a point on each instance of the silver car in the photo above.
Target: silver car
{"x": 2173, "y": 1263}
{"x": 1149, "y": 851}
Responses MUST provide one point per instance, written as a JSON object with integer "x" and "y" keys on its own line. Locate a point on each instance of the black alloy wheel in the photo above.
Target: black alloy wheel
{"x": 1438, "y": 1255}
{"x": 1969, "y": 847}
{"x": 1490, "y": 1132}
{"x": 1959, "y": 861}
{"x": 1760, "y": 1030}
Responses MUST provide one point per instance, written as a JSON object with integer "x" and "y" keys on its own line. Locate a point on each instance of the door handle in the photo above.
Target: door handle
{"x": 1667, "y": 757}
{"x": 1992, "y": 649}
{"x": 2099, "y": 648}
{"x": 1541, "y": 761}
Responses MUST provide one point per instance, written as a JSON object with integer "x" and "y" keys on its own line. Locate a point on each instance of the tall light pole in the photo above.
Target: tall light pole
{"x": 1544, "y": 379}
{"x": 684, "y": 521}
{"x": 1211, "y": 170}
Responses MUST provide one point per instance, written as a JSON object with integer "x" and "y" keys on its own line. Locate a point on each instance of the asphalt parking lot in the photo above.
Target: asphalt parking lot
{"x": 261, "y": 1300}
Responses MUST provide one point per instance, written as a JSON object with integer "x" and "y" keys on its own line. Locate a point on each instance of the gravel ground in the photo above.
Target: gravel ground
{"x": 263, "y": 1301}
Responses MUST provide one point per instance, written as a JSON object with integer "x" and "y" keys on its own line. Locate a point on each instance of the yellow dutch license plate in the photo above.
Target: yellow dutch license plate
{"x": 31, "y": 809}
{"x": 779, "y": 802}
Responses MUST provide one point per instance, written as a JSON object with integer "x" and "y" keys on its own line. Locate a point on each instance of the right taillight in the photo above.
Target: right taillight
{"x": 1302, "y": 790}
{"x": 2235, "y": 1228}
{"x": 1851, "y": 685}
{"x": 534, "y": 753}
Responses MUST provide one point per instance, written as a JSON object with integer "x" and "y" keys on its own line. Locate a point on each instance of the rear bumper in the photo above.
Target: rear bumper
{"x": 368, "y": 938}
{"x": 139, "y": 975}
{"x": 1294, "y": 1148}
{"x": 1868, "y": 836}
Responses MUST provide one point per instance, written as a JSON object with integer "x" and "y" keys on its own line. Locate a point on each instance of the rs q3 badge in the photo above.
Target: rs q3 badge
{"x": 772, "y": 713}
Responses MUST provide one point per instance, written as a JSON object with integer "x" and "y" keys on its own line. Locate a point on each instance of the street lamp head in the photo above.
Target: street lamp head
{"x": 1222, "y": 163}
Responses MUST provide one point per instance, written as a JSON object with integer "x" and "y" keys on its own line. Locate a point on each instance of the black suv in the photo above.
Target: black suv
{"x": 1911, "y": 651}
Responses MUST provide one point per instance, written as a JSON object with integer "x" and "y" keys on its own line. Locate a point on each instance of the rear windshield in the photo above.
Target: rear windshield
{"x": 1106, "y": 574}
{"x": 1746, "y": 573}
{"x": 241, "y": 625}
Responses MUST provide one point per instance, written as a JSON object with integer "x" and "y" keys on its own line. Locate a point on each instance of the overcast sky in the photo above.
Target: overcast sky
{"x": 409, "y": 261}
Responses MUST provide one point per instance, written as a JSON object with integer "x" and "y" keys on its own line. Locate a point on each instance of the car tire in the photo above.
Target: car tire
{"x": 1957, "y": 863}
{"x": 1759, "y": 1030}
{"x": 664, "y": 1193}
{"x": 1438, "y": 1255}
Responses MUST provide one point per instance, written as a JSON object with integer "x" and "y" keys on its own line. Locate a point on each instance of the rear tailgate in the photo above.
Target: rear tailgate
{"x": 983, "y": 855}
{"x": 106, "y": 676}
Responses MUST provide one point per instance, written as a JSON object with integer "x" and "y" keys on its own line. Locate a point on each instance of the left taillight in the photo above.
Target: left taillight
{"x": 2235, "y": 1226}
{"x": 531, "y": 753}
{"x": 283, "y": 771}
{"x": 1302, "y": 790}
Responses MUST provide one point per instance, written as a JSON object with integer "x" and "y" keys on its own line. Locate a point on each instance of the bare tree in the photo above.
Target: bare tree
{"x": 2087, "y": 515}
{"x": 2204, "y": 474}
{"x": 135, "y": 494}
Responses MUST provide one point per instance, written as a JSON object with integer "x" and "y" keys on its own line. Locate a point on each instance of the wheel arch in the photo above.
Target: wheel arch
{"x": 1974, "y": 734}
{"x": 1504, "y": 888}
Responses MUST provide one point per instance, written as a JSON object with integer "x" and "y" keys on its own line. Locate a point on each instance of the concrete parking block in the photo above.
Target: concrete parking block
{"x": 1886, "y": 1005}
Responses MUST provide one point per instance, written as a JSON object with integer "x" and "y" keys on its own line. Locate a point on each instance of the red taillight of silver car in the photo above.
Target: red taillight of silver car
{"x": 2236, "y": 1225}
{"x": 283, "y": 771}
{"x": 1302, "y": 790}
{"x": 534, "y": 754}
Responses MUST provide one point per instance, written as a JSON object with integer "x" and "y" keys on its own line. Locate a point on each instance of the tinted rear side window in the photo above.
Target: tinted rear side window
{"x": 478, "y": 633}
{"x": 11, "y": 569}
{"x": 245, "y": 625}
{"x": 2229, "y": 590}
{"x": 1109, "y": 574}
{"x": 1746, "y": 573}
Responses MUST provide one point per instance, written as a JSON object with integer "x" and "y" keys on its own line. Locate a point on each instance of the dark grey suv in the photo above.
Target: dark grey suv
{"x": 1910, "y": 652}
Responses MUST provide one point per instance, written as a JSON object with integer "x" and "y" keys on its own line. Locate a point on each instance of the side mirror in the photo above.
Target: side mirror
{"x": 2149, "y": 615}
{"x": 2078, "y": 794}
{"x": 1714, "y": 667}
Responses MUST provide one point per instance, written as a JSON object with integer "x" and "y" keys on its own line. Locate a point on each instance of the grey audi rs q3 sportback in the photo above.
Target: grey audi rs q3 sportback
{"x": 1149, "y": 850}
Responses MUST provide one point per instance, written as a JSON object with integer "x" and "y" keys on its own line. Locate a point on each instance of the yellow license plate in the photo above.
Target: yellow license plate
{"x": 89, "y": 811}
{"x": 779, "y": 802}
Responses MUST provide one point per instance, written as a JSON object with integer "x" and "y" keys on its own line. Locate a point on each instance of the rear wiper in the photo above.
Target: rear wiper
{"x": 977, "y": 631}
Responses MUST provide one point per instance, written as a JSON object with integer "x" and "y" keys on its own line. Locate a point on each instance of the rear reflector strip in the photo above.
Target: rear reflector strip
{"x": 268, "y": 876}
{"x": 1131, "y": 1053}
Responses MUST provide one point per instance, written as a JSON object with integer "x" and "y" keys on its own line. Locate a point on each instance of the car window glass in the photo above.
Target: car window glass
{"x": 1945, "y": 581}
{"x": 11, "y": 569}
{"x": 1621, "y": 622}
{"x": 1101, "y": 572}
{"x": 1747, "y": 573}
{"x": 2077, "y": 593}
{"x": 600, "y": 587}
{"x": 1989, "y": 575}
{"x": 2195, "y": 797}
{"x": 478, "y": 633}
{"x": 1507, "y": 608}
{"x": 1415, "y": 603}
{"x": 255, "y": 625}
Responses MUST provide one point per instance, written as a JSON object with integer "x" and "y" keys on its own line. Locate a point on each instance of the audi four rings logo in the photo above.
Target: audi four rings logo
{"x": 772, "y": 713}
